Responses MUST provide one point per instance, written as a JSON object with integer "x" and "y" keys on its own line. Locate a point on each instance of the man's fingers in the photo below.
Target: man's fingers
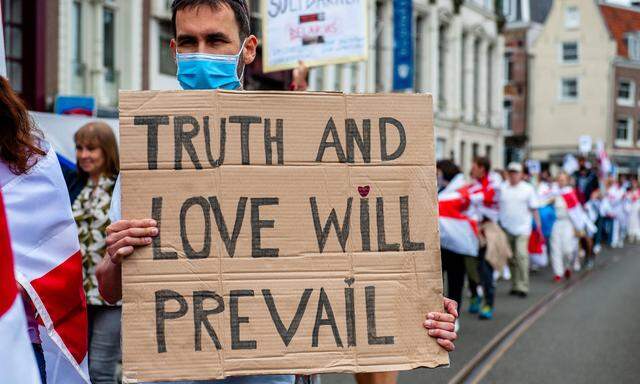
{"x": 114, "y": 237}
{"x": 121, "y": 225}
{"x": 451, "y": 307}
{"x": 121, "y": 254}
{"x": 442, "y": 334}
{"x": 446, "y": 344}
{"x": 432, "y": 324}
{"x": 441, "y": 317}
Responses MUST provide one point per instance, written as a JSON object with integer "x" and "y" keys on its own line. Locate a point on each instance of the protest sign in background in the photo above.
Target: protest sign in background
{"x": 317, "y": 32}
{"x": 298, "y": 233}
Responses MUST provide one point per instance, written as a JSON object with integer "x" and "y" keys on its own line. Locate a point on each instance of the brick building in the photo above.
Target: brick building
{"x": 524, "y": 21}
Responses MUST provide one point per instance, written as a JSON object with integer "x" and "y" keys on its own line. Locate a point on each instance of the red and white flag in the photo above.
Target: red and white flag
{"x": 458, "y": 231}
{"x": 577, "y": 214}
{"x": 48, "y": 264}
{"x": 17, "y": 361}
{"x": 484, "y": 197}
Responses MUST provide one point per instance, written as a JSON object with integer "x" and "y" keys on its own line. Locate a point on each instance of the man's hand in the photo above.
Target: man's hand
{"x": 124, "y": 235}
{"x": 441, "y": 326}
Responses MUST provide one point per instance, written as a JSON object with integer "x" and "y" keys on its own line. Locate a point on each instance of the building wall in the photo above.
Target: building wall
{"x": 96, "y": 68}
{"x": 515, "y": 90}
{"x": 458, "y": 59}
{"x": 551, "y": 116}
{"x": 627, "y": 109}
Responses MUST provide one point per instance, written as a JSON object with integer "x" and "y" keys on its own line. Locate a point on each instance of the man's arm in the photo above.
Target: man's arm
{"x": 122, "y": 238}
{"x": 536, "y": 219}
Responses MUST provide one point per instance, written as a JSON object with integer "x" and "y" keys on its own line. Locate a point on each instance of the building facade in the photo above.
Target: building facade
{"x": 458, "y": 58}
{"x": 524, "y": 19}
{"x": 585, "y": 66}
{"x": 97, "y": 47}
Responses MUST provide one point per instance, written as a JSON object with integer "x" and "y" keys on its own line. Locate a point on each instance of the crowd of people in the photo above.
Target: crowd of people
{"x": 504, "y": 224}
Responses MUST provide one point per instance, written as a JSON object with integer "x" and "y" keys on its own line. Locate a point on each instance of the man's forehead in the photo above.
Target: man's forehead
{"x": 204, "y": 20}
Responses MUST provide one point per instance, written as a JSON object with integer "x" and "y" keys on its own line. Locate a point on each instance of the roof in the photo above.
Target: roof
{"x": 539, "y": 10}
{"x": 620, "y": 21}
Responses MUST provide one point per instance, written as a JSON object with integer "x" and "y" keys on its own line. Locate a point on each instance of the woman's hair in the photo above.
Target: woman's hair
{"x": 448, "y": 168}
{"x": 100, "y": 135}
{"x": 18, "y": 135}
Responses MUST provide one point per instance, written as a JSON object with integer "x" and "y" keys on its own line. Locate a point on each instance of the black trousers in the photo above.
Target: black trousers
{"x": 453, "y": 266}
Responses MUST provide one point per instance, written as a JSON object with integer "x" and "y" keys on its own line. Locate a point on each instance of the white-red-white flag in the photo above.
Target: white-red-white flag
{"x": 17, "y": 361}
{"x": 48, "y": 263}
{"x": 458, "y": 231}
{"x": 577, "y": 214}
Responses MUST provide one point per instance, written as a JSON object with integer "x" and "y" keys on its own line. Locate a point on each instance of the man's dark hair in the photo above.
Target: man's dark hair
{"x": 448, "y": 168}
{"x": 484, "y": 162}
{"x": 239, "y": 7}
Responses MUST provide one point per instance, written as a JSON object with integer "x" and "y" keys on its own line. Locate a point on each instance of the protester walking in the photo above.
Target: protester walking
{"x": 633, "y": 197}
{"x": 90, "y": 190}
{"x": 493, "y": 251}
{"x": 563, "y": 233}
{"x": 518, "y": 208}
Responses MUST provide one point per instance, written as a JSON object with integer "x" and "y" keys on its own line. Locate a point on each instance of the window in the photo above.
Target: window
{"x": 475, "y": 149}
{"x": 108, "y": 44}
{"x": 570, "y": 52}
{"x": 626, "y": 92}
{"x": 463, "y": 149}
{"x": 165, "y": 58}
{"x": 488, "y": 149}
{"x": 571, "y": 17}
{"x": 632, "y": 40}
{"x": 508, "y": 113}
{"x": 508, "y": 67}
{"x": 442, "y": 67}
{"x": 440, "y": 148}
{"x": 77, "y": 64}
{"x": 418, "y": 53}
{"x": 569, "y": 89}
{"x": 623, "y": 132}
{"x": 14, "y": 27}
{"x": 379, "y": 45}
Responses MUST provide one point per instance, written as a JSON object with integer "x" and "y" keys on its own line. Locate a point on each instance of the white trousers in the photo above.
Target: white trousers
{"x": 562, "y": 246}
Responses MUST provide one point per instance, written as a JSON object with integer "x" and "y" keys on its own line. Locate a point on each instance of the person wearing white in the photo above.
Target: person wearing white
{"x": 518, "y": 207}
{"x": 563, "y": 243}
{"x": 633, "y": 197}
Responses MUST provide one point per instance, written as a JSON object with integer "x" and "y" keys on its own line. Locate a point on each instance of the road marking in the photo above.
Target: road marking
{"x": 476, "y": 369}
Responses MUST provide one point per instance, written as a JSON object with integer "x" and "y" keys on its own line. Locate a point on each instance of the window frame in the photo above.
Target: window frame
{"x": 571, "y": 24}
{"x": 562, "y": 96}
{"x": 628, "y": 141}
{"x": 563, "y": 59}
{"x": 629, "y": 101}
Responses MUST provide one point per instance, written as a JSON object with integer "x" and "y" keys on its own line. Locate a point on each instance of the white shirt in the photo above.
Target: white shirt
{"x": 516, "y": 203}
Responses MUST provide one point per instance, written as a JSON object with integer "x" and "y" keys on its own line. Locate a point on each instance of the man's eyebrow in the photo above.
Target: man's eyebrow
{"x": 218, "y": 36}
{"x": 184, "y": 38}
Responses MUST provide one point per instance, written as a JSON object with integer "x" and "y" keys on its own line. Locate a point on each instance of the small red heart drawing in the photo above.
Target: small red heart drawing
{"x": 364, "y": 191}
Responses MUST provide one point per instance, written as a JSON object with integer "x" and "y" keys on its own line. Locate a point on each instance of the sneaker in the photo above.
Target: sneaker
{"x": 557, "y": 278}
{"x": 486, "y": 313}
{"x": 474, "y": 307}
{"x": 567, "y": 273}
{"x": 589, "y": 264}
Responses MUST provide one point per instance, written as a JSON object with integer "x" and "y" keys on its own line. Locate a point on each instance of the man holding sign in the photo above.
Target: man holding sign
{"x": 212, "y": 45}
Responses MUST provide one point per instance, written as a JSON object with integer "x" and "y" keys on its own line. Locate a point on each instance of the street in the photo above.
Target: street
{"x": 588, "y": 335}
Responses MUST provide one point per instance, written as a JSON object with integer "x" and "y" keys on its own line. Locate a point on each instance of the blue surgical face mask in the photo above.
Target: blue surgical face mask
{"x": 208, "y": 71}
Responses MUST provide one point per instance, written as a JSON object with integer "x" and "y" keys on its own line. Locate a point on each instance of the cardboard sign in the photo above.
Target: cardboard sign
{"x": 317, "y": 32}
{"x": 298, "y": 233}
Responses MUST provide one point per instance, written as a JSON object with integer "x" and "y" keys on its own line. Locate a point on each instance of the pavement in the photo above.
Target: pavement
{"x": 589, "y": 335}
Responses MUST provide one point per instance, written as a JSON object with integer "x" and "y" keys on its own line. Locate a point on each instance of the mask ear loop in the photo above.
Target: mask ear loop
{"x": 241, "y": 77}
